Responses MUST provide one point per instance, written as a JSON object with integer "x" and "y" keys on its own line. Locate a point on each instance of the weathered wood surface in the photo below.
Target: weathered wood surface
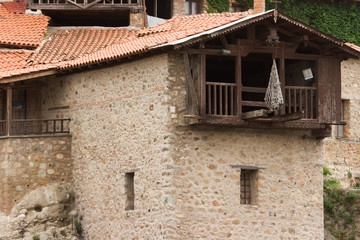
{"x": 261, "y": 113}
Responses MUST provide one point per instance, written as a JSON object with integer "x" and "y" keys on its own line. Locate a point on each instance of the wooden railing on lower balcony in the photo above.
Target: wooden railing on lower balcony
{"x": 35, "y": 127}
{"x": 301, "y": 99}
{"x": 221, "y": 99}
{"x": 121, "y": 3}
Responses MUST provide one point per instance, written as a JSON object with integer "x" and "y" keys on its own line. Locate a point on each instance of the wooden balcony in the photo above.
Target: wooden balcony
{"x": 301, "y": 99}
{"x": 84, "y": 4}
{"x": 221, "y": 99}
{"x": 25, "y": 127}
{"x": 226, "y": 105}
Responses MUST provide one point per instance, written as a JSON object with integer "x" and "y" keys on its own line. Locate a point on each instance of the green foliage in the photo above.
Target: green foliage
{"x": 331, "y": 183}
{"x": 78, "y": 226}
{"x": 36, "y": 237}
{"x": 335, "y": 18}
{"x": 329, "y": 206}
{"x": 349, "y": 174}
{"x": 351, "y": 197}
{"x": 349, "y": 219}
{"x": 326, "y": 171}
{"x": 218, "y": 6}
{"x": 340, "y": 208}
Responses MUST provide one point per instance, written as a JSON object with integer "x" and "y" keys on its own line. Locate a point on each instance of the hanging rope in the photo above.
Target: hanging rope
{"x": 273, "y": 97}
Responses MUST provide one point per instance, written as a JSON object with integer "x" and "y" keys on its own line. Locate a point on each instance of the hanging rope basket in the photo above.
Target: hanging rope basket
{"x": 273, "y": 97}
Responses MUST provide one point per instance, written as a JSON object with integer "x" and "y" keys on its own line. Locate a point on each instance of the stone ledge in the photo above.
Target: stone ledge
{"x": 38, "y": 136}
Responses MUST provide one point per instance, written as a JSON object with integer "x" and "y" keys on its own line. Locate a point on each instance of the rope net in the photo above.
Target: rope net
{"x": 273, "y": 97}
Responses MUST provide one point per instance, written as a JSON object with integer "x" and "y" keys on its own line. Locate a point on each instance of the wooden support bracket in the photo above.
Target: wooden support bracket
{"x": 280, "y": 118}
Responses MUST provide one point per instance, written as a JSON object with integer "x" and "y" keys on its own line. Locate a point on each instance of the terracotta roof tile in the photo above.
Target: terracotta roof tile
{"x": 11, "y": 61}
{"x": 68, "y": 44}
{"x": 15, "y": 7}
{"x": 353, "y": 46}
{"x": 171, "y": 30}
{"x": 73, "y": 48}
{"x": 21, "y": 30}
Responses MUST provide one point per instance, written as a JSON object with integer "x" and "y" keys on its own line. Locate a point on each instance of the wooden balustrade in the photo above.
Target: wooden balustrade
{"x": 221, "y": 99}
{"x": 87, "y": 2}
{"x": 35, "y": 126}
{"x": 3, "y": 127}
{"x": 301, "y": 99}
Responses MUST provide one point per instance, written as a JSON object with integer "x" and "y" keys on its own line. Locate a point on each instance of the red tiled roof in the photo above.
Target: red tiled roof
{"x": 353, "y": 46}
{"x": 13, "y": 60}
{"x": 21, "y": 30}
{"x": 171, "y": 30}
{"x": 66, "y": 49}
{"x": 15, "y": 7}
{"x": 64, "y": 45}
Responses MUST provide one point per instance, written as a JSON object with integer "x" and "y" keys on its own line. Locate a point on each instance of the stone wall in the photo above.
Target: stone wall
{"x": 27, "y": 163}
{"x": 289, "y": 189}
{"x": 178, "y": 7}
{"x": 129, "y": 118}
{"x": 342, "y": 154}
{"x": 120, "y": 123}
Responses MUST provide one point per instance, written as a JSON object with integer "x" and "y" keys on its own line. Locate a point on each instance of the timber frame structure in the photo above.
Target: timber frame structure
{"x": 228, "y": 72}
{"x": 21, "y": 113}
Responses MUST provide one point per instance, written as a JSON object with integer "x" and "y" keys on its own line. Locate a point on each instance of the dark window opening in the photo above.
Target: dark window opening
{"x": 89, "y": 18}
{"x": 192, "y": 7}
{"x": 248, "y": 193}
{"x": 236, "y": 7}
{"x": 129, "y": 191}
{"x": 256, "y": 68}
{"x": 221, "y": 88}
{"x": 340, "y": 129}
{"x": 300, "y": 87}
{"x": 159, "y": 8}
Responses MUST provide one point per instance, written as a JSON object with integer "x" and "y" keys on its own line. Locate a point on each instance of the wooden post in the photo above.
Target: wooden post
{"x": 238, "y": 81}
{"x": 155, "y": 8}
{"x": 203, "y": 85}
{"x": 8, "y": 109}
{"x": 282, "y": 77}
{"x": 239, "y": 86}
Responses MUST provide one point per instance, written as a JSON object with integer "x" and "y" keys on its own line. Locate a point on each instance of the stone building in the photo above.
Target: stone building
{"x": 163, "y": 133}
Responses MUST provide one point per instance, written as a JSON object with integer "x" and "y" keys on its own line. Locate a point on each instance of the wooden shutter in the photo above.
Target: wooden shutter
{"x": 329, "y": 90}
{"x": 193, "y": 78}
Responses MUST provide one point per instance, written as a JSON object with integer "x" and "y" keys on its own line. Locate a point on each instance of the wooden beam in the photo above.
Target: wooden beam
{"x": 28, "y": 76}
{"x": 190, "y": 82}
{"x": 224, "y": 42}
{"x": 25, "y": 85}
{"x": 254, "y": 89}
{"x": 250, "y": 34}
{"x": 8, "y": 109}
{"x": 262, "y": 113}
{"x": 203, "y": 84}
{"x": 253, "y": 103}
{"x": 280, "y": 118}
{"x": 286, "y": 33}
{"x": 192, "y": 116}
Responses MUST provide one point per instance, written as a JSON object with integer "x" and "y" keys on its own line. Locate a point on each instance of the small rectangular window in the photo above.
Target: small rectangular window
{"x": 248, "y": 191}
{"x": 339, "y": 129}
{"x": 248, "y": 183}
{"x": 192, "y": 7}
{"x": 129, "y": 191}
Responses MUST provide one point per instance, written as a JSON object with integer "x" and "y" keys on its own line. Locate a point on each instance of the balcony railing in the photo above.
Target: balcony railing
{"x": 221, "y": 99}
{"x": 301, "y": 99}
{"x": 84, "y": 3}
{"x": 35, "y": 127}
